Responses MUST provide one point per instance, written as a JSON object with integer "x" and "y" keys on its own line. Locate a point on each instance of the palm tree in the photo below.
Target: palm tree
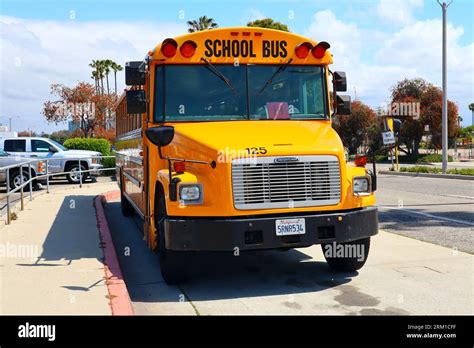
{"x": 116, "y": 67}
{"x": 471, "y": 107}
{"x": 101, "y": 71}
{"x": 95, "y": 73}
{"x": 107, "y": 66}
{"x": 203, "y": 23}
{"x": 95, "y": 76}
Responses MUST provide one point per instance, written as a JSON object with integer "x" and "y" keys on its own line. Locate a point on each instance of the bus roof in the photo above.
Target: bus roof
{"x": 242, "y": 45}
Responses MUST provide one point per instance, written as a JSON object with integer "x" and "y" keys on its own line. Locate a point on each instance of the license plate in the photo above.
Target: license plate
{"x": 286, "y": 227}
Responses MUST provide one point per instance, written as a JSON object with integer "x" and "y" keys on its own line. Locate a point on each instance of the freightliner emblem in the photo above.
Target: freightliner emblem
{"x": 286, "y": 159}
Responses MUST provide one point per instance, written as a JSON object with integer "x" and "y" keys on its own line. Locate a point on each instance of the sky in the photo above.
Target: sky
{"x": 376, "y": 42}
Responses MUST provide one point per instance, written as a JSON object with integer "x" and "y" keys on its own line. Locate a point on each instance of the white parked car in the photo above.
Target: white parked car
{"x": 60, "y": 158}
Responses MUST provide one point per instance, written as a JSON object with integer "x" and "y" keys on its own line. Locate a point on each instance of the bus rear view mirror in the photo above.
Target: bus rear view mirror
{"x": 343, "y": 105}
{"x": 340, "y": 81}
{"x": 160, "y": 136}
{"x": 136, "y": 102}
{"x": 135, "y": 73}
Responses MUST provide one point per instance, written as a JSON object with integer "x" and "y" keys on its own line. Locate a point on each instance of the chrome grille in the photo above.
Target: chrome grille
{"x": 301, "y": 182}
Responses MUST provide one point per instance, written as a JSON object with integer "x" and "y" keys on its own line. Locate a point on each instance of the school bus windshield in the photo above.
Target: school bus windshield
{"x": 229, "y": 92}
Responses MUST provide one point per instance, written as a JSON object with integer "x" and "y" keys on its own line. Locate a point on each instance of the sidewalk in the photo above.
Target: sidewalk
{"x": 51, "y": 259}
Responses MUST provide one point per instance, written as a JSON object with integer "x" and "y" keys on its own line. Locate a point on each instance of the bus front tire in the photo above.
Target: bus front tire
{"x": 347, "y": 263}
{"x": 173, "y": 264}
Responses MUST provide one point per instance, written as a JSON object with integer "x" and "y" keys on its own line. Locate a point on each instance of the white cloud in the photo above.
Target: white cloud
{"x": 38, "y": 53}
{"x": 251, "y": 14}
{"x": 413, "y": 51}
{"x": 398, "y": 12}
{"x": 418, "y": 46}
{"x": 345, "y": 38}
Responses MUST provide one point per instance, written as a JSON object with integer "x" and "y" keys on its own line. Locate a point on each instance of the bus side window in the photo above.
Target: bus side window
{"x": 159, "y": 94}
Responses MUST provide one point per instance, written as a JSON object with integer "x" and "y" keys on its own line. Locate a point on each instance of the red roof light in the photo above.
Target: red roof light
{"x": 320, "y": 49}
{"x": 168, "y": 48}
{"x": 187, "y": 49}
{"x": 302, "y": 51}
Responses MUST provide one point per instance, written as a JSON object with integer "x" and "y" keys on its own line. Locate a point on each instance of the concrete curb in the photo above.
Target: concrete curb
{"x": 428, "y": 175}
{"x": 119, "y": 297}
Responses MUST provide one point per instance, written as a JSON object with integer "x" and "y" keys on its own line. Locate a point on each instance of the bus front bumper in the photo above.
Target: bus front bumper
{"x": 252, "y": 233}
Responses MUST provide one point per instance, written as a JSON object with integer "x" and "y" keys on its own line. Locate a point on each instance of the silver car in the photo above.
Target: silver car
{"x": 37, "y": 168}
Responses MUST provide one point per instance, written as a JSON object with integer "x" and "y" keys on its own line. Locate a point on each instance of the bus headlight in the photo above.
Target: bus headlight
{"x": 190, "y": 194}
{"x": 361, "y": 184}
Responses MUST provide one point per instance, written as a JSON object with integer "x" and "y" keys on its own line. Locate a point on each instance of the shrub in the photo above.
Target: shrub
{"x": 433, "y": 158}
{"x": 425, "y": 169}
{"x": 109, "y": 163}
{"x": 100, "y": 145}
{"x": 92, "y": 144}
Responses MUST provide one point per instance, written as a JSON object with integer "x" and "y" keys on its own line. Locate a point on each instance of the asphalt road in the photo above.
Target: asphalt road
{"x": 402, "y": 275}
{"x": 440, "y": 211}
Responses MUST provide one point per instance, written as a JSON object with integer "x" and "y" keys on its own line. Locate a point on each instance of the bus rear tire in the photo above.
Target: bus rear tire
{"x": 173, "y": 264}
{"x": 348, "y": 264}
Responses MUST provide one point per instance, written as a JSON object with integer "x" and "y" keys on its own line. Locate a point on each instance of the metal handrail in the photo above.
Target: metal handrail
{"x": 46, "y": 175}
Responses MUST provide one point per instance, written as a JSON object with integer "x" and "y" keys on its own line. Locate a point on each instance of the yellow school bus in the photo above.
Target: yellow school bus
{"x": 224, "y": 143}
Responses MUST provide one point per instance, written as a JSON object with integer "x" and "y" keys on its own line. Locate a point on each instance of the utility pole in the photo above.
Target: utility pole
{"x": 444, "y": 120}
{"x": 10, "y": 122}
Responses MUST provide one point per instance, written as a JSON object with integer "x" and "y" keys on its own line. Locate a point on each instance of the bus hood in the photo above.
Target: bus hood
{"x": 273, "y": 137}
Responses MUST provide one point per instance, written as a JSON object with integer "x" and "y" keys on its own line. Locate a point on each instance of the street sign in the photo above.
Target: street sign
{"x": 388, "y": 138}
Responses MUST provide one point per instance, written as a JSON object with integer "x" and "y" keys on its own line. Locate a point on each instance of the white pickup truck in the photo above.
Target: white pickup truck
{"x": 60, "y": 158}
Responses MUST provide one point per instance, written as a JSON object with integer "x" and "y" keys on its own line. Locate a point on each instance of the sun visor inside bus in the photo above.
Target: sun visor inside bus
{"x": 135, "y": 73}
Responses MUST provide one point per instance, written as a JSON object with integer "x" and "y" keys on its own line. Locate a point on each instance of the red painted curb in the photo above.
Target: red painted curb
{"x": 119, "y": 298}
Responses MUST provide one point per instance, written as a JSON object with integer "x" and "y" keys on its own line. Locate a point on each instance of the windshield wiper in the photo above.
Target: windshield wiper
{"x": 279, "y": 70}
{"x": 216, "y": 72}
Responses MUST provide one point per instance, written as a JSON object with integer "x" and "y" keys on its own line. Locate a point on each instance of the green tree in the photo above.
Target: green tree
{"x": 102, "y": 69}
{"x": 60, "y": 136}
{"x": 269, "y": 24}
{"x": 471, "y": 107}
{"x": 467, "y": 132}
{"x": 107, "y": 69}
{"x": 96, "y": 73}
{"x": 80, "y": 104}
{"x": 203, "y": 23}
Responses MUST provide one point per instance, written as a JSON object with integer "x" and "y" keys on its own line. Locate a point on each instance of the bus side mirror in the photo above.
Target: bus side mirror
{"x": 136, "y": 102}
{"x": 135, "y": 73}
{"x": 340, "y": 81}
{"x": 343, "y": 106}
{"x": 160, "y": 136}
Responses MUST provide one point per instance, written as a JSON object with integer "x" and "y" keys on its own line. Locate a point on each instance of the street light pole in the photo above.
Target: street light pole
{"x": 444, "y": 119}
